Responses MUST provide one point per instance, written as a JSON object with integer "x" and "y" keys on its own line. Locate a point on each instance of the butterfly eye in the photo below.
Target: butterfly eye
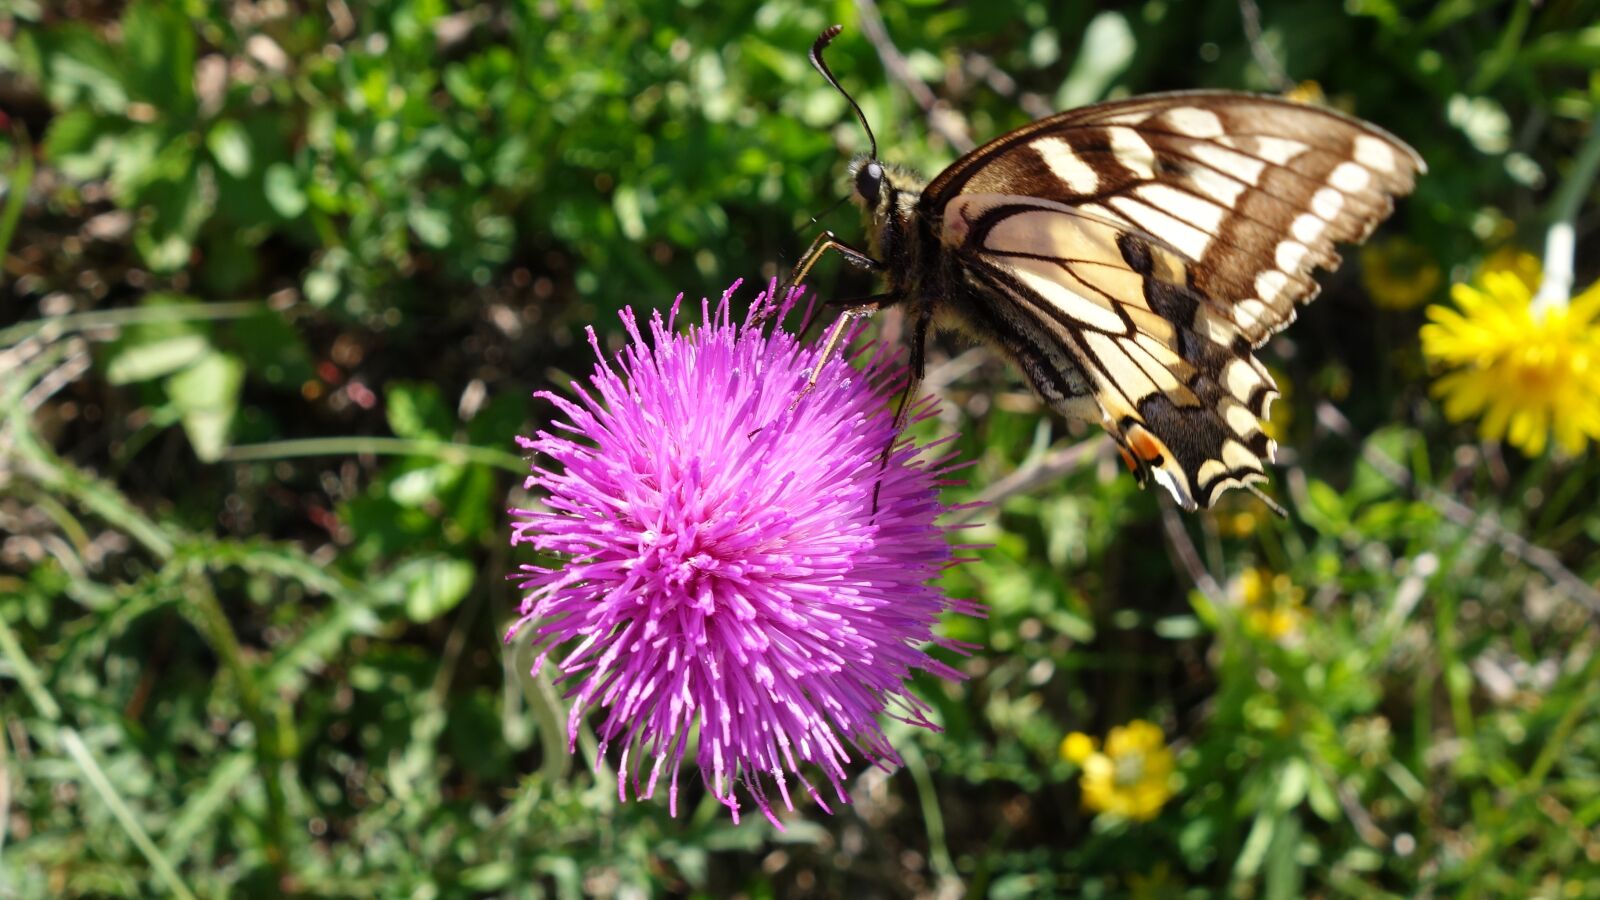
{"x": 869, "y": 181}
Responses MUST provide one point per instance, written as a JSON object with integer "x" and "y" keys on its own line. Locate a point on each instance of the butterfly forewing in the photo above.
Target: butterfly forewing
{"x": 1129, "y": 256}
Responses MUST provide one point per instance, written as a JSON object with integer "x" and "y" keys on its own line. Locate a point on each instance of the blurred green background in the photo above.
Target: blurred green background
{"x": 279, "y": 277}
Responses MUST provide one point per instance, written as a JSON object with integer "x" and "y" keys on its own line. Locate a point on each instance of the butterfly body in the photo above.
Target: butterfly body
{"x": 1129, "y": 257}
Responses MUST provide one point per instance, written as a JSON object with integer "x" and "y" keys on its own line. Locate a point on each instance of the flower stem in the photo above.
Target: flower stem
{"x": 1561, "y": 240}
{"x": 205, "y": 611}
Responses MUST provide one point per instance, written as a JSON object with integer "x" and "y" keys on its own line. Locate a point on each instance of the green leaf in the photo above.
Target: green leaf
{"x": 1107, "y": 49}
{"x": 79, "y": 143}
{"x": 229, "y": 144}
{"x": 207, "y": 395}
{"x": 155, "y": 358}
{"x": 1283, "y": 879}
{"x": 629, "y": 208}
{"x": 488, "y": 878}
{"x": 1323, "y": 798}
{"x": 1580, "y": 49}
{"x": 423, "y": 485}
{"x": 1324, "y": 509}
{"x": 202, "y": 809}
{"x": 78, "y": 64}
{"x": 158, "y": 44}
{"x": 436, "y": 587}
{"x": 179, "y": 208}
{"x": 1254, "y": 851}
{"x": 1291, "y": 784}
{"x": 273, "y": 349}
{"x": 1178, "y": 628}
{"x": 416, "y": 411}
{"x": 431, "y": 225}
{"x": 137, "y": 163}
{"x": 321, "y": 286}
{"x": 282, "y": 187}
{"x": 15, "y": 185}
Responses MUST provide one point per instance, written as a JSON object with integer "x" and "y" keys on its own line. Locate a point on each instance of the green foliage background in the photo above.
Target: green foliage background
{"x": 279, "y": 277}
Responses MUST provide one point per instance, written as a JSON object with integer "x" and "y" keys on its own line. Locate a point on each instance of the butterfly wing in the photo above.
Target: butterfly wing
{"x": 1155, "y": 243}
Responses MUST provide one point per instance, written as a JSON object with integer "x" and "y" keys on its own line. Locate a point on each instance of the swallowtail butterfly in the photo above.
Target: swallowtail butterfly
{"x": 1129, "y": 257}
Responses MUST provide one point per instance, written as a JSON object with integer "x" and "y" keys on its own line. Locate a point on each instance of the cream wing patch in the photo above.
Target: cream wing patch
{"x": 1132, "y": 152}
{"x": 1194, "y": 122}
{"x": 1079, "y": 176}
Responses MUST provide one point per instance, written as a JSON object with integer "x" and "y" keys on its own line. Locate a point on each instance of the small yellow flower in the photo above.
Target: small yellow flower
{"x": 1399, "y": 273}
{"x": 1077, "y": 747}
{"x": 1530, "y": 374}
{"x": 1131, "y": 777}
{"x": 1238, "y": 523}
{"x": 1271, "y": 606}
{"x": 1308, "y": 92}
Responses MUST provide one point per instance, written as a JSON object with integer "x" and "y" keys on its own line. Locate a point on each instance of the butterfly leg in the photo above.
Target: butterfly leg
{"x": 824, "y": 242}
{"x": 919, "y": 348}
{"x": 830, "y": 344}
{"x": 902, "y": 412}
{"x": 828, "y": 241}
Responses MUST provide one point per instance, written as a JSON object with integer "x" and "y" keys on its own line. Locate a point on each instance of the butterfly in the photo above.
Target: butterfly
{"x": 1129, "y": 257}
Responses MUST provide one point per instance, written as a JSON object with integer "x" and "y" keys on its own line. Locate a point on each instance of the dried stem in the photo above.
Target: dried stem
{"x": 1250, "y": 13}
{"x": 984, "y": 69}
{"x": 1485, "y": 524}
{"x": 1182, "y": 548}
{"x": 941, "y": 119}
{"x": 1040, "y": 470}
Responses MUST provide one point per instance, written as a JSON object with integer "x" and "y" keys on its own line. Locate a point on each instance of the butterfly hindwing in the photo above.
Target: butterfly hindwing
{"x": 1115, "y": 305}
{"x": 1142, "y": 249}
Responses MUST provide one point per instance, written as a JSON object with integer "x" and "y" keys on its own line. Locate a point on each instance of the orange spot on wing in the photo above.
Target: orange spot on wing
{"x": 1127, "y": 459}
{"x": 1148, "y": 448}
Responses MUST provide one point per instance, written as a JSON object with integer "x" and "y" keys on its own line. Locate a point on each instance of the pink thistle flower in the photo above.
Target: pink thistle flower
{"x": 723, "y": 567}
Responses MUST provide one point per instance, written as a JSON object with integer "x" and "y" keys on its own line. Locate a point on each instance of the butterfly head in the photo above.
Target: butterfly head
{"x": 868, "y": 178}
{"x": 882, "y": 189}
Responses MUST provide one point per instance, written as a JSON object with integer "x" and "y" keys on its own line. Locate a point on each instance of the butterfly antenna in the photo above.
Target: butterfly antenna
{"x": 1261, "y": 495}
{"x": 823, "y": 40}
{"x": 817, "y": 219}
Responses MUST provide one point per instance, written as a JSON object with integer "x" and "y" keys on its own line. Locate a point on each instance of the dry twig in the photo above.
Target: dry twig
{"x": 984, "y": 69}
{"x": 1182, "y": 548}
{"x": 1042, "y": 469}
{"x": 1484, "y": 524}
{"x": 941, "y": 118}
{"x": 1251, "y": 14}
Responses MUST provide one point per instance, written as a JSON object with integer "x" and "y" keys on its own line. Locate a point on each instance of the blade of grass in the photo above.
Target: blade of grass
{"x": 444, "y": 451}
{"x": 136, "y": 833}
{"x": 16, "y": 196}
{"x": 56, "y": 326}
{"x": 46, "y": 705}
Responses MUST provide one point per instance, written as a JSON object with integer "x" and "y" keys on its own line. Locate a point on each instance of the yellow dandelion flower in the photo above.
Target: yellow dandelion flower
{"x": 1399, "y": 273}
{"x": 1132, "y": 776}
{"x": 1518, "y": 262}
{"x": 1530, "y": 374}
